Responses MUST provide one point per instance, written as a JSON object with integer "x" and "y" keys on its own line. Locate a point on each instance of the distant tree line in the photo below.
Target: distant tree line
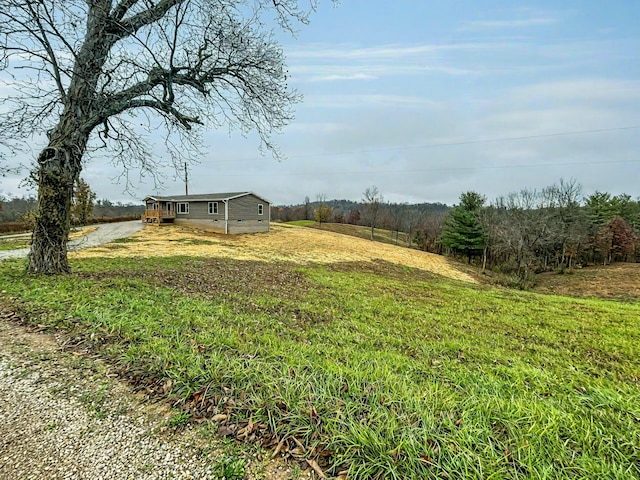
{"x": 531, "y": 231}
{"x": 415, "y": 221}
{"x": 17, "y": 213}
{"x": 520, "y": 234}
{"x": 14, "y": 209}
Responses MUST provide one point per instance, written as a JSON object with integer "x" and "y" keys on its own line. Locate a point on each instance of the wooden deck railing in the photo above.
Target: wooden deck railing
{"x": 157, "y": 215}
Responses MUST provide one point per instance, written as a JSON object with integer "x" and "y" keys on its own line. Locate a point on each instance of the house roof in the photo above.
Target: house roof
{"x": 204, "y": 197}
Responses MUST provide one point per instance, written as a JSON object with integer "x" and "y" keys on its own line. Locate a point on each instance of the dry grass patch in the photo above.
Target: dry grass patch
{"x": 283, "y": 244}
{"x": 620, "y": 281}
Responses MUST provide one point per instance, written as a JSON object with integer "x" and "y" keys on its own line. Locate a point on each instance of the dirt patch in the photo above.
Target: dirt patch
{"x": 620, "y": 281}
{"x": 283, "y": 244}
{"x": 216, "y": 277}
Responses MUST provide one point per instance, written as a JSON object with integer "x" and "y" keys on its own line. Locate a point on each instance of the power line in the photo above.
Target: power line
{"x": 445, "y": 144}
{"x": 423, "y": 170}
{"x": 474, "y": 142}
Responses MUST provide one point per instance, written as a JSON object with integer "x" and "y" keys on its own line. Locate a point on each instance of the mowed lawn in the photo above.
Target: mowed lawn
{"x": 381, "y": 369}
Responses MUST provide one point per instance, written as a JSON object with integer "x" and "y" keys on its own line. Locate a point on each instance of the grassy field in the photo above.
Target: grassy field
{"x": 620, "y": 281}
{"x": 14, "y": 243}
{"x": 379, "y": 234}
{"x": 378, "y": 368}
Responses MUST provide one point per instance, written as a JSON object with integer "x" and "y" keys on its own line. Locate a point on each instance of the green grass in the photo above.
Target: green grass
{"x": 399, "y": 374}
{"x": 179, "y": 419}
{"x": 125, "y": 240}
{"x": 230, "y": 468}
{"x": 301, "y": 223}
{"x": 14, "y": 244}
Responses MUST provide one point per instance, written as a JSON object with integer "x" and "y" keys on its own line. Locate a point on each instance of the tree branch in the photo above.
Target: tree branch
{"x": 122, "y": 8}
{"x": 185, "y": 120}
{"x": 44, "y": 40}
{"x": 125, "y": 27}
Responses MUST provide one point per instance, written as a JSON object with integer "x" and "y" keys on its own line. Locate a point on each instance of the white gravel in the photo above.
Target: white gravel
{"x": 66, "y": 416}
{"x": 105, "y": 233}
{"x": 62, "y": 419}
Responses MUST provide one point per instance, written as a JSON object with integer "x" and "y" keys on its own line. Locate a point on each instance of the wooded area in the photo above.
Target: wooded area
{"x": 521, "y": 234}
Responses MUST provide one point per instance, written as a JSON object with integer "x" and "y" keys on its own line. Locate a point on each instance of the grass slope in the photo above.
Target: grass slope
{"x": 391, "y": 371}
{"x": 379, "y": 234}
{"x": 620, "y": 281}
{"x": 14, "y": 244}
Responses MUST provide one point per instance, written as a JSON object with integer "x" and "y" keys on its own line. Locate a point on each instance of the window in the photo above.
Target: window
{"x": 213, "y": 208}
{"x": 183, "y": 207}
{"x": 260, "y": 209}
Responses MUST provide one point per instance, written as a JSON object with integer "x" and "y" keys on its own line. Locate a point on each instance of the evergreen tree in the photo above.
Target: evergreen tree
{"x": 463, "y": 232}
{"x": 83, "y": 201}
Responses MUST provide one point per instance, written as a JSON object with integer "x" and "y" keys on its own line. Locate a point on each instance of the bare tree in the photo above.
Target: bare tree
{"x": 353, "y": 217}
{"x": 516, "y": 226}
{"x": 307, "y": 208}
{"x": 570, "y": 220}
{"x": 322, "y": 212}
{"x": 91, "y": 74}
{"x": 412, "y": 220}
{"x": 372, "y": 200}
{"x": 429, "y": 231}
{"x": 397, "y": 214}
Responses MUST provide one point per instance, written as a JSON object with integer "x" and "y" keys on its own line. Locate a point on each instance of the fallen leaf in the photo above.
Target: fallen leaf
{"x": 279, "y": 447}
{"x": 225, "y": 431}
{"x": 297, "y": 452}
{"x": 316, "y": 468}
{"x": 219, "y": 417}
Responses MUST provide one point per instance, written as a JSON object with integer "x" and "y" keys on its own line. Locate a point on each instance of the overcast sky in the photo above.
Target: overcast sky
{"x": 429, "y": 99}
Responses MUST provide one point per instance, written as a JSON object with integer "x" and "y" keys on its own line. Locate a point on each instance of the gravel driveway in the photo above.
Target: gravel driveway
{"x": 65, "y": 416}
{"x": 62, "y": 417}
{"x": 105, "y": 233}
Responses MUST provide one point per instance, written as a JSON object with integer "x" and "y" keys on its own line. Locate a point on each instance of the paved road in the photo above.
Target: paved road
{"x": 106, "y": 232}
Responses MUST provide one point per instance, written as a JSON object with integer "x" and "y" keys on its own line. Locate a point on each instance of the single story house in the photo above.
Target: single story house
{"x": 236, "y": 212}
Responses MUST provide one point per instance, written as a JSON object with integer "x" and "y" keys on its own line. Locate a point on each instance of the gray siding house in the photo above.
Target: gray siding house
{"x": 236, "y": 212}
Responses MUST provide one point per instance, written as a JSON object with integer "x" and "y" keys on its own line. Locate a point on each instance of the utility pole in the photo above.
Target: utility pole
{"x": 186, "y": 179}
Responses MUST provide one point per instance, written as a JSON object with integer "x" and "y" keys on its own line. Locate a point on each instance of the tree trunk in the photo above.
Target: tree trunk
{"x": 58, "y": 169}
{"x": 59, "y": 164}
{"x": 484, "y": 258}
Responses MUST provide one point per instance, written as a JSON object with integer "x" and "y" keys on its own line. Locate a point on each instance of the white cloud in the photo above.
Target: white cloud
{"x": 335, "y": 63}
{"x": 341, "y": 77}
{"x": 324, "y": 73}
{"x": 343, "y": 101}
{"x": 390, "y": 51}
{"x": 580, "y": 90}
{"x": 513, "y": 23}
